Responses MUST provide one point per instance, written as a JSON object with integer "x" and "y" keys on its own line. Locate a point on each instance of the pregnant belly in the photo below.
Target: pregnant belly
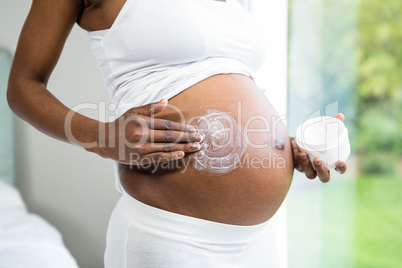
{"x": 256, "y": 165}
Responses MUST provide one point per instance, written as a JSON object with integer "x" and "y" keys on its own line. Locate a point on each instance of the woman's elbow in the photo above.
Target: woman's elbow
{"x": 11, "y": 94}
{"x": 14, "y": 91}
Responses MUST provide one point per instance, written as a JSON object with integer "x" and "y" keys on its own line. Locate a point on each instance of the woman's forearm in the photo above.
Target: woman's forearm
{"x": 131, "y": 134}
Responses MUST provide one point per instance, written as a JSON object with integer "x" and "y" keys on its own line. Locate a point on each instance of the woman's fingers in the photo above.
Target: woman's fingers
{"x": 307, "y": 166}
{"x": 162, "y": 124}
{"x": 170, "y": 147}
{"x": 303, "y": 164}
{"x": 341, "y": 167}
{"x": 173, "y": 136}
{"x": 159, "y": 152}
{"x": 321, "y": 170}
{"x": 311, "y": 172}
{"x": 151, "y": 139}
{"x": 158, "y": 157}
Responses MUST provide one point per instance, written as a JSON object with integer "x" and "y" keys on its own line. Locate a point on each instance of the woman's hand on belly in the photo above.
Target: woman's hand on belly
{"x": 137, "y": 138}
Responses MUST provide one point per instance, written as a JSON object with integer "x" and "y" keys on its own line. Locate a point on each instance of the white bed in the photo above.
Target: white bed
{"x": 26, "y": 239}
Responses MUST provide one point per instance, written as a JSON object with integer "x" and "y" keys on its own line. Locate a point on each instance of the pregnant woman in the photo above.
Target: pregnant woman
{"x": 203, "y": 160}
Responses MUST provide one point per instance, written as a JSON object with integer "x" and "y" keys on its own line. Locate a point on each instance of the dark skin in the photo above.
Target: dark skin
{"x": 41, "y": 42}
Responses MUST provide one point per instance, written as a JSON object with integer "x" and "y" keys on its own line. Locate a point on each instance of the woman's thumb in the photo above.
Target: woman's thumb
{"x": 159, "y": 106}
{"x": 340, "y": 116}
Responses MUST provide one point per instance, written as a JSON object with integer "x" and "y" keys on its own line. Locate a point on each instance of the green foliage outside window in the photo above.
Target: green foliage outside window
{"x": 379, "y": 91}
{"x": 362, "y": 68}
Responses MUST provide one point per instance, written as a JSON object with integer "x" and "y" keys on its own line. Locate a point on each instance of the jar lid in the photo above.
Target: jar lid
{"x": 321, "y": 133}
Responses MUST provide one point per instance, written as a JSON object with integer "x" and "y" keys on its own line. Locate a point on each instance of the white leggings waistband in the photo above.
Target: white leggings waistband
{"x": 185, "y": 228}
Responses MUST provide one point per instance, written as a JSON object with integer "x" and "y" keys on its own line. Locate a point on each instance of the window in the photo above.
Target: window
{"x": 345, "y": 56}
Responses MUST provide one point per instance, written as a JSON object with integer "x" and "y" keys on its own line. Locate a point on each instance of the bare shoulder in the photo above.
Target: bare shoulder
{"x": 47, "y": 27}
{"x": 61, "y": 10}
{"x": 42, "y": 37}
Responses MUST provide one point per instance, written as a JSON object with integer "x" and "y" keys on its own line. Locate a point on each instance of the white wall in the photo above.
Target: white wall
{"x": 72, "y": 189}
{"x": 272, "y": 77}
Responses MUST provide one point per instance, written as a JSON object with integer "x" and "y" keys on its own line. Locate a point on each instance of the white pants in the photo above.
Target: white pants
{"x": 142, "y": 236}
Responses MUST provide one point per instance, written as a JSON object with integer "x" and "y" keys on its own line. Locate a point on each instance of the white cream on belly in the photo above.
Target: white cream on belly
{"x": 223, "y": 143}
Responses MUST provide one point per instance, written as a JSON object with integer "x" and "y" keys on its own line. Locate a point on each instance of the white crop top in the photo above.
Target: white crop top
{"x": 157, "y": 48}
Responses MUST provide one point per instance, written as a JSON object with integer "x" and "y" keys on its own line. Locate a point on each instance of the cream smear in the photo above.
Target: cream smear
{"x": 223, "y": 143}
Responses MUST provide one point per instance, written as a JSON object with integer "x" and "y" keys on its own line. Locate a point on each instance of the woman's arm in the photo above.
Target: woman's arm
{"x": 39, "y": 47}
